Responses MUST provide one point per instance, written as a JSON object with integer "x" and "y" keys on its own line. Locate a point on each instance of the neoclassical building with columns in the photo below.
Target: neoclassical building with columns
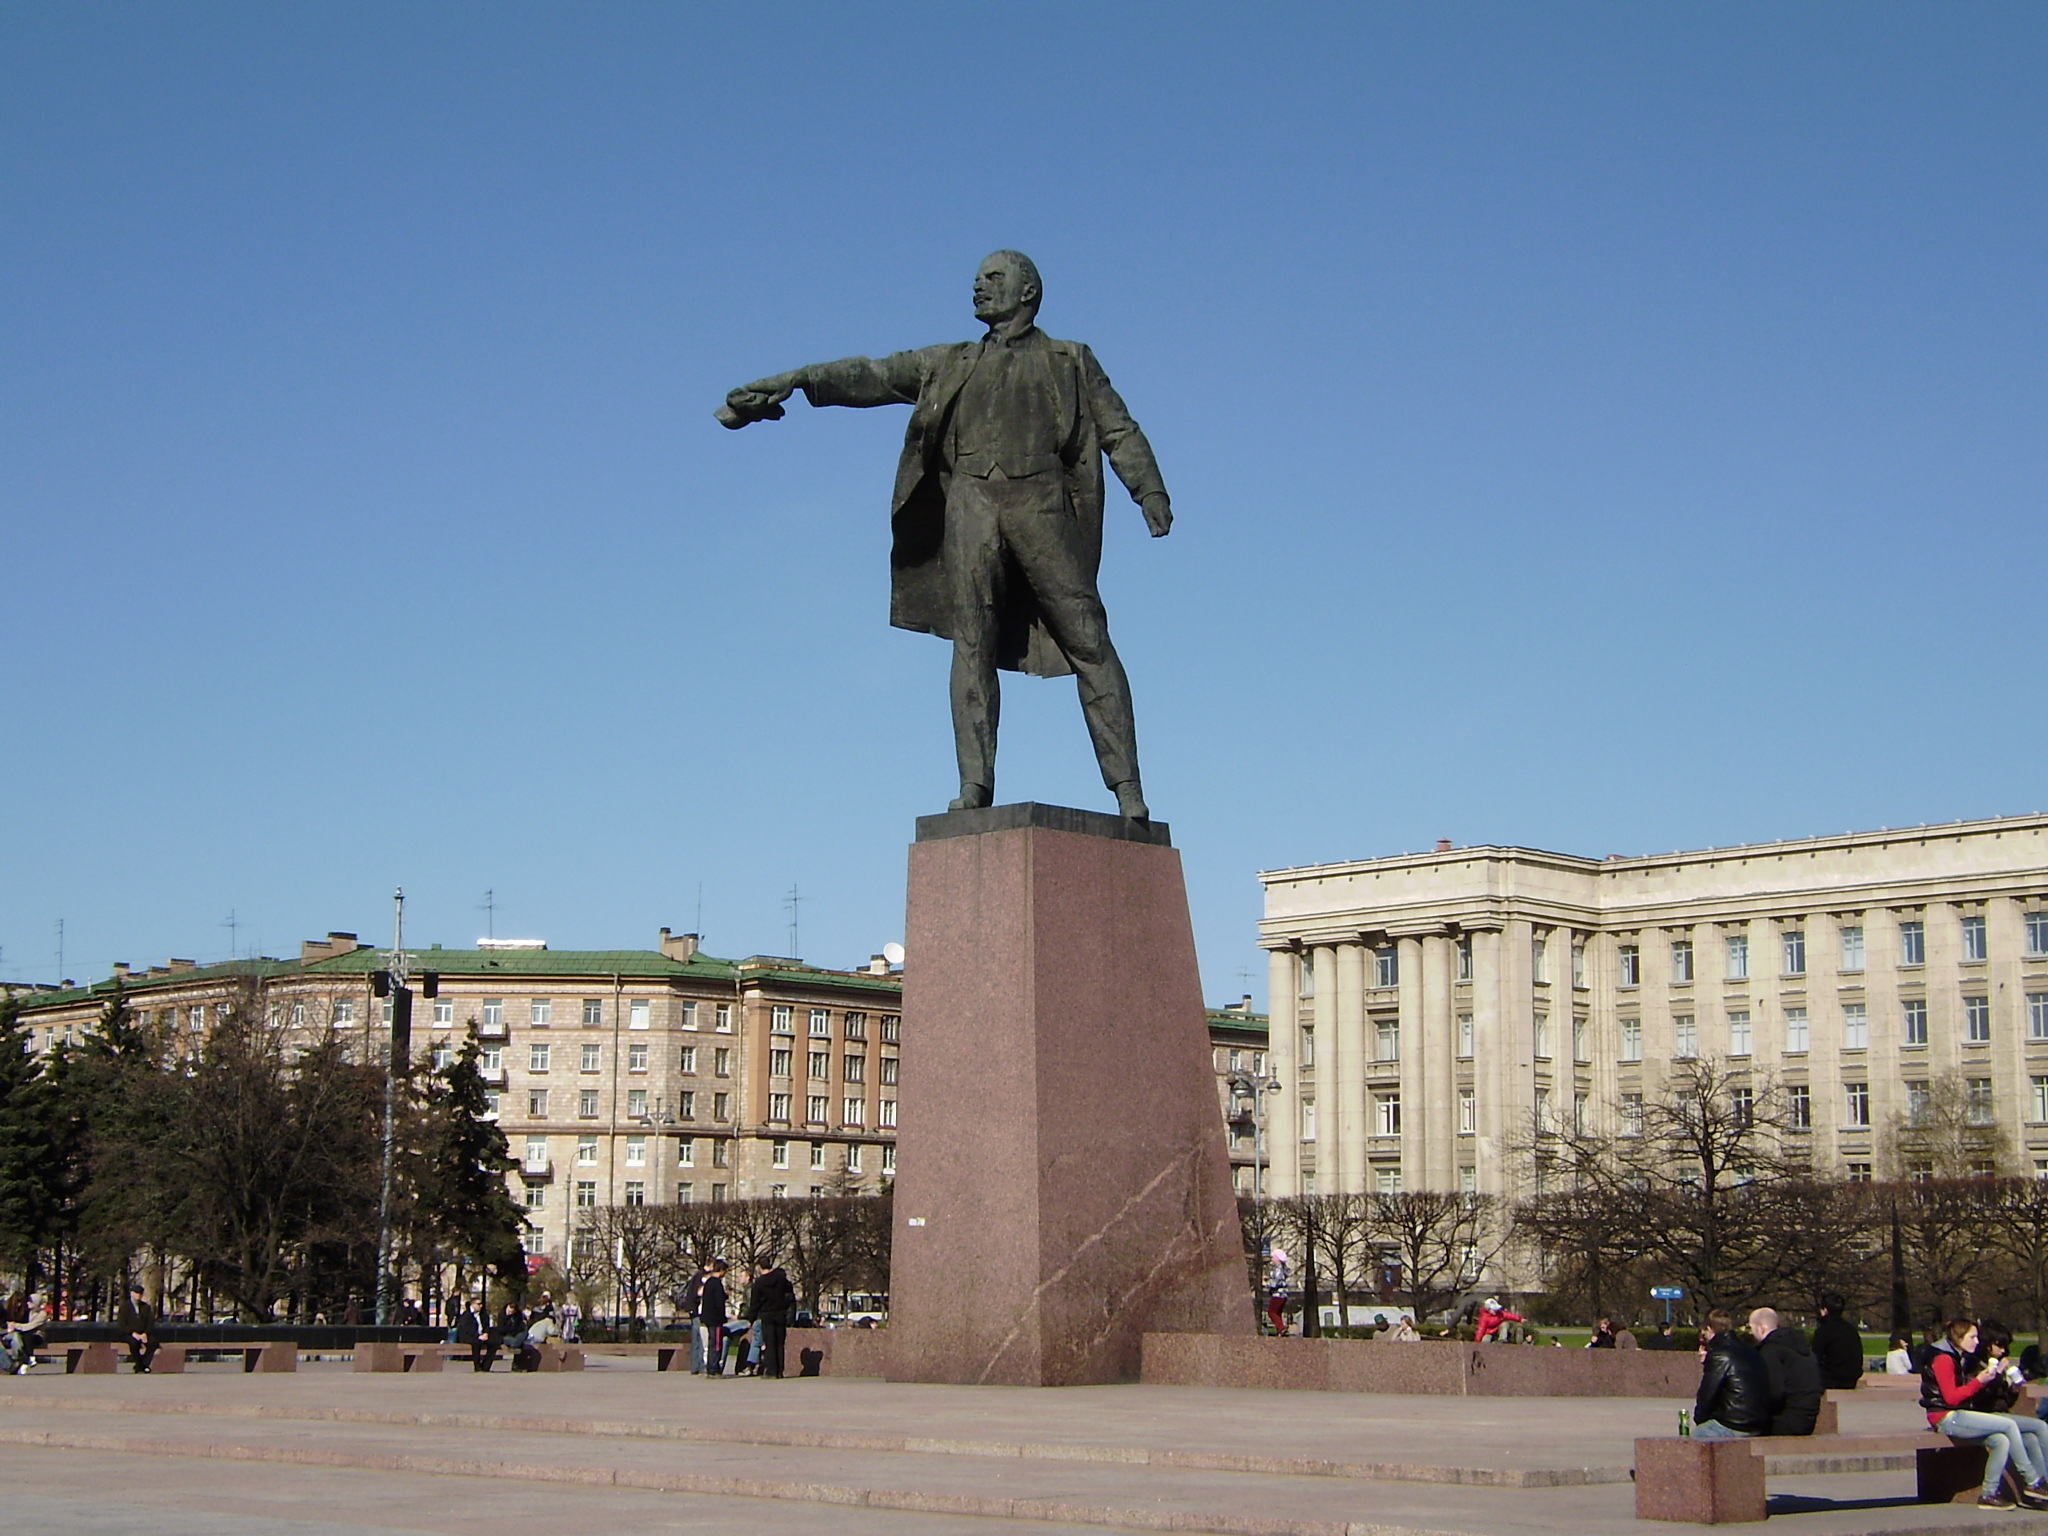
{"x": 1430, "y": 1011}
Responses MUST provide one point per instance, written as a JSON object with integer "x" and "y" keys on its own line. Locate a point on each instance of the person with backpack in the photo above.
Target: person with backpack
{"x": 1954, "y": 1377}
{"x": 710, "y": 1326}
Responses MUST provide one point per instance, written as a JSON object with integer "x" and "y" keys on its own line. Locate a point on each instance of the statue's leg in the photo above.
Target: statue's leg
{"x": 973, "y": 558}
{"x": 1040, "y": 535}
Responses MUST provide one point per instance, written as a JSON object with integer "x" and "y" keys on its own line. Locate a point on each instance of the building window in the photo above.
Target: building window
{"x": 2037, "y": 934}
{"x": 1468, "y": 1112}
{"x": 636, "y": 1151}
{"x": 689, "y": 1011}
{"x": 1578, "y": 962}
{"x": 686, "y": 1105}
{"x": 856, "y": 1112}
{"x": 1543, "y": 1036}
{"x": 1794, "y": 952}
{"x": 1742, "y": 1101}
{"x": 1913, "y": 943}
{"x": 1631, "y": 965}
{"x": 1795, "y": 1031}
{"x": 2039, "y": 1114}
{"x": 492, "y": 1059}
{"x": 817, "y": 1154}
{"x": 819, "y": 1064}
{"x": 721, "y": 1157}
{"x": 536, "y": 1103}
{"x": 814, "y": 1109}
{"x": 1631, "y": 1114}
{"x": 1387, "y": 1040}
{"x": 444, "y": 1012}
{"x": 721, "y": 1061}
{"x": 1386, "y": 966}
{"x": 536, "y": 1154}
{"x": 1681, "y": 960}
{"x": 778, "y": 1108}
{"x": 2037, "y": 1015}
{"x": 1308, "y": 1122}
{"x": 892, "y": 1029}
{"x": 1859, "y": 1173}
{"x": 1918, "y": 1098}
{"x": 1389, "y": 1181}
{"x": 821, "y": 1024}
{"x": 538, "y": 1056}
{"x": 1973, "y": 939}
{"x": 1915, "y": 1020}
{"x": 540, "y": 1011}
{"x": 1308, "y": 1047}
{"x": 494, "y": 1010}
{"x": 1539, "y": 957}
{"x": 1858, "y": 1096}
{"x": 593, "y": 1011}
{"x": 1579, "y": 1051}
{"x": 721, "y": 1021}
{"x": 636, "y": 1192}
{"x": 1542, "y": 1113}
{"x": 1852, "y": 947}
{"x": 636, "y": 1103}
{"x": 536, "y": 1197}
{"x": 1685, "y": 1037}
{"x": 586, "y": 1194}
{"x": 1387, "y": 1111}
{"x": 1976, "y": 1021}
{"x": 1631, "y": 1039}
{"x": 889, "y": 1068}
{"x": 1739, "y": 1034}
{"x": 889, "y": 1158}
{"x": 885, "y": 1114}
{"x": 782, "y": 1019}
{"x": 586, "y": 1150}
{"x": 1465, "y": 1036}
{"x": 636, "y": 1058}
{"x": 853, "y": 1158}
{"x": 593, "y": 1057}
{"x": 1855, "y": 1027}
{"x": 686, "y": 1194}
{"x": 686, "y": 1152}
{"x": 778, "y": 1062}
{"x": 779, "y": 1154}
{"x": 1465, "y": 957}
{"x": 856, "y": 1026}
{"x": 686, "y": 1060}
{"x": 586, "y": 1104}
{"x": 854, "y": 1069}
{"x": 639, "y": 1012}
{"x": 1977, "y": 1103}
{"x": 1738, "y": 956}
{"x": 1799, "y": 1107}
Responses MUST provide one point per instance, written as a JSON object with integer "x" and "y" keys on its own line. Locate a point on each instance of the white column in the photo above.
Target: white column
{"x": 1346, "y": 1093}
{"x": 1429, "y": 1098}
{"x": 1329, "y": 1155}
{"x": 1283, "y": 1109}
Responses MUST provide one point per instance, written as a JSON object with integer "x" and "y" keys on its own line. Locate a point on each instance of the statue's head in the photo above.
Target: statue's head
{"x": 1005, "y": 286}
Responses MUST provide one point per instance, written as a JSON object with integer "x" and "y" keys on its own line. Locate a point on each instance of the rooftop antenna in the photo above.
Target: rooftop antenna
{"x": 490, "y": 914}
{"x": 60, "y": 949}
{"x": 791, "y": 901}
{"x": 700, "y": 909}
{"x": 234, "y": 952}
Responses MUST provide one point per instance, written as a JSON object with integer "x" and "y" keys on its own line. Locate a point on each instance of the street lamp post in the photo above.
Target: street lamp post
{"x": 1252, "y": 1087}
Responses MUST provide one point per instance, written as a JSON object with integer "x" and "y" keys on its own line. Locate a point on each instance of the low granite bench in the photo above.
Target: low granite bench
{"x": 399, "y": 1357}
{"x": 277, "y": 1356}
{"x": 1721, "y": 1482}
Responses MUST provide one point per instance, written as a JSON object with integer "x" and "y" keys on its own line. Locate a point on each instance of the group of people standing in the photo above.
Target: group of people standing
{"x": 753, "y": 1341}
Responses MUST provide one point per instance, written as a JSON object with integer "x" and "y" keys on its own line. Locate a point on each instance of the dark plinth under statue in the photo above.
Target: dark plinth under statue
{"x": 1063, "y": 1186}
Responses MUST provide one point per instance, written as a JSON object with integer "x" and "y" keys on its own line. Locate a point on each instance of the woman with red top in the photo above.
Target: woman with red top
{"x": 1951, "y": 1381}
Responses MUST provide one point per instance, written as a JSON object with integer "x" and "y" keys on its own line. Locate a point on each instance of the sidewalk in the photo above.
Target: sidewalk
{"x": 621, "y": 1446}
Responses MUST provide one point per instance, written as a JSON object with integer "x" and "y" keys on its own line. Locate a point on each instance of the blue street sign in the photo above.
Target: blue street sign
{"x": 1667, "y": 1293}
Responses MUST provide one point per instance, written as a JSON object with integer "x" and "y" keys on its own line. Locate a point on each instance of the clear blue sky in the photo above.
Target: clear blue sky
{"x": 1602, "y": 427}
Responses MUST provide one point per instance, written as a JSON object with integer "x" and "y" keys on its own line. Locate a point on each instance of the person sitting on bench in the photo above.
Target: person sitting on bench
{"x": 138, "y": 1320}
{"x": 1734, "y": 1400}
{"x": 1955, "y": 1375}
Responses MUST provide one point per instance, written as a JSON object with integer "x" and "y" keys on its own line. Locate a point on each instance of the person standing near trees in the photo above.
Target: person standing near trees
{"x": 773, "y": 1303}
{"x": 711, "y": 1318}
{"x": 1837, "y": 1344}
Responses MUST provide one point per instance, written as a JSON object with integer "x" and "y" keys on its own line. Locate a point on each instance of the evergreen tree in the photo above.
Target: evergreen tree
{"x": 461, "y": 1202}
{"x": 30, "y": 1196}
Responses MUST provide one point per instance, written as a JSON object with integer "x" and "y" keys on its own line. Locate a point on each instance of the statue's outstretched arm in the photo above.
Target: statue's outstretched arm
{"x": 860, "y": 381}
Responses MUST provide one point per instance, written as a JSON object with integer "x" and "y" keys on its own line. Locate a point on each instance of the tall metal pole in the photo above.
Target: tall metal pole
{"x": 392, "y": 1066}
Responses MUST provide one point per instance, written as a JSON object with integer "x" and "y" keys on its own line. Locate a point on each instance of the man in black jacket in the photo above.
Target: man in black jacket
{"x": 1837, "y": 1345}
{"x": 711, "y": 1318}
{"x": 138, "y": 1320}
{"x": 771, "y": 1303}
{"x": 1796, "y": 1388}
{"x": 1734, "y": 1399}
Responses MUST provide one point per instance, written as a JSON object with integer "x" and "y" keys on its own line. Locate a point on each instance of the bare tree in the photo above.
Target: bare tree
{"x": 1947, "y": 1130}
{"x": 634, "y": 1246}
{"x": 1444, "y": 1243}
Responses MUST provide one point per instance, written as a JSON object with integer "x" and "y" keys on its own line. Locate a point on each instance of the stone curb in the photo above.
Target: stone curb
{"x": 922, "y": 1445}
{"x": 903, "y": 1501}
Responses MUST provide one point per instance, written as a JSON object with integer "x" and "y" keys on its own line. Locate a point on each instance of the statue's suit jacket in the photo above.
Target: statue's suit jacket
{"x": 929, "y": 381}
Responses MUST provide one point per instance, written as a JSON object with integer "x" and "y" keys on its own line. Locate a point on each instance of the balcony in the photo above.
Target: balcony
{"x": 490, "y": 1031}
{"x": 493, "y": 1077}
{"x": 536, "y": 1170}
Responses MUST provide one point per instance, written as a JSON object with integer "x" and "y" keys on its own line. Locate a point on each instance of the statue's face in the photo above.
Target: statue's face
{"x": 1000, "y": 289}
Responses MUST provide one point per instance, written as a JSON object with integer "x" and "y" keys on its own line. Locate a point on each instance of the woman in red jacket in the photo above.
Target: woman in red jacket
{"x": 1948, "y": 1384}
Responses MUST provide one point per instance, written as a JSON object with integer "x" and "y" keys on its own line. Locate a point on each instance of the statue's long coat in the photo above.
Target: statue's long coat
{"x": 929, "y": 380}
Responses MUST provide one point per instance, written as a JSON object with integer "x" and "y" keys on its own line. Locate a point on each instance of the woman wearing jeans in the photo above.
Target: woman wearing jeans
{"x": 1946, "y": 1385}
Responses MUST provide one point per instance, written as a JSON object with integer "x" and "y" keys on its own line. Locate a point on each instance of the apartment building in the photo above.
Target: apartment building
{"x": 619, "y": 1076}
{"x": 1429, "y": 1012}
{"x": 1244, "y": 1082}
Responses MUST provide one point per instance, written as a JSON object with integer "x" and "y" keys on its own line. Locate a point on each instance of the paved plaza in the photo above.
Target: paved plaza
{"x": 625, "y": 1449}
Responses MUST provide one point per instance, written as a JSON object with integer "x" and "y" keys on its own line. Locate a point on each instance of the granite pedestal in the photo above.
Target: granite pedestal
{"x": 1062, "y": 1186}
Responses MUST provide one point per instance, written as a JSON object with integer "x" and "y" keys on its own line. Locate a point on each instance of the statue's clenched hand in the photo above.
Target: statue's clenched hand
{"x": 758, "y": 401}
{"x": 1158, "y": 513}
